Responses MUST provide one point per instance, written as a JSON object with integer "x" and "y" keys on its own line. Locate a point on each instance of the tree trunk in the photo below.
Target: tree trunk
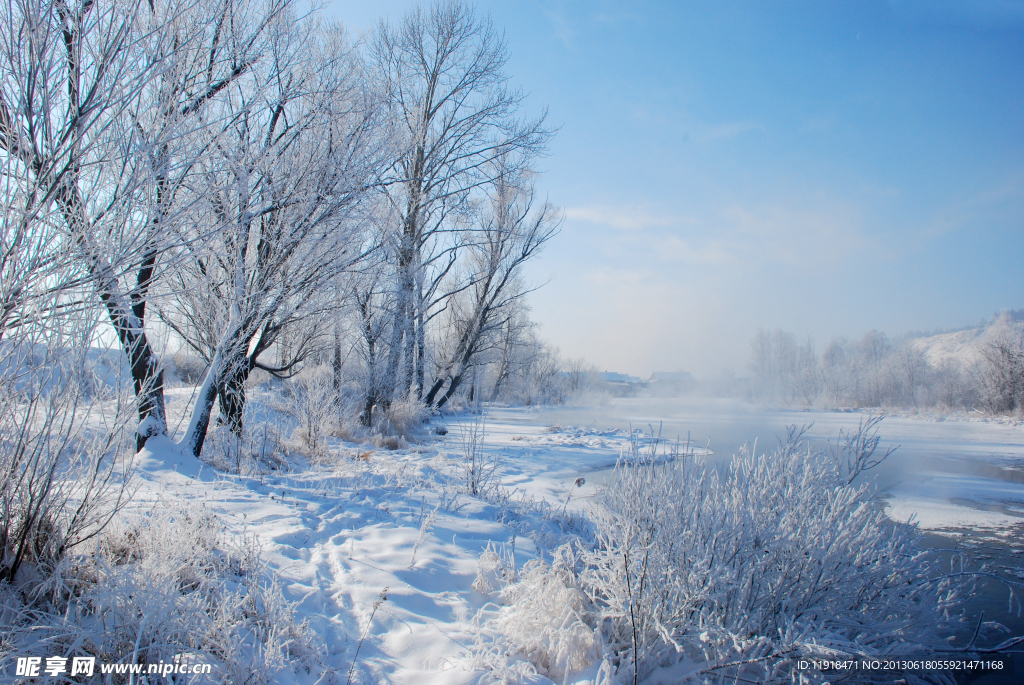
{"x": 336, "y": 362}
{"x": 390, "y": 380}
{"x": 505, "y": 366}
{"x": 503, "y": 370}
{"x": 445, "y": 398}
{"x": 231, "y": 393}
{"x": 373, "y": 381}
{"x": 147, "y": 377}
{"x": 409, "y": 354}
{"x": 199, "y": 424}
{"x": 421, "y": 349}
{"x": 455, "y": 369}
{"x": 434, "y": 389}
{"x": 148, "y": 381}
{"x": 399, "y": 369}
{"x": 368, "y": 405}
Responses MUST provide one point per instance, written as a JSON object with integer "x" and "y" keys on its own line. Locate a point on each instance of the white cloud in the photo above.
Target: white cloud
{"x": 623, "y": 218}
{"x": 1001, "y": 201}
{"x": 562, "y": 29}
{"x": 712, "y": 133}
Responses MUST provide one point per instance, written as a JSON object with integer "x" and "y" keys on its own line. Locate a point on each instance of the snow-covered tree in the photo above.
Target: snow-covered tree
{"x": 1000, "y": 375}
{"x": 101, "y": 103}
{"x": 74, "y": 74}
{"x": 372, "y": 302}
{"x": 443, "y": 71}
{"x": 508, "y": 233}
{"x": 282, "y": 211}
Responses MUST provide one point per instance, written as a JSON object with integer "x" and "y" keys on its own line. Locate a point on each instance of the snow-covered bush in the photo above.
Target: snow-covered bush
{"x": 730, "y": 573}
{"x": 313, "y": 403}
{"x": 543, "y": 628}
{"x": 160, "y": 587}
{"x": 59, "y": 478}
{"x": 776, "y": 556}
{"x": 495, "y": 569}
{"x": 389, "y": 442}
{"x": 402, "y": 418}
{"x": 258, "y": 451}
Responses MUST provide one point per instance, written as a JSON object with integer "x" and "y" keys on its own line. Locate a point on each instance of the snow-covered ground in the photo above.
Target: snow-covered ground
{"x": 340, "y": 532}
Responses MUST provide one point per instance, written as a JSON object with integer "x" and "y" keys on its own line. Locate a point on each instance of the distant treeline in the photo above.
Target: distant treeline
{"x": 982, "y": 371}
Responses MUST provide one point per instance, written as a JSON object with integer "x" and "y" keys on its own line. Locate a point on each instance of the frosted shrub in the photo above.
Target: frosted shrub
{"x": 389, "y": 442}
{"x": 157, "y": 587}
{"x": 546, "y": 622}
{"x": 402, "y": 418}
{"x": 725, "y": 573}
{"x": 59, "y": 479}
{"x": 494, "y": 570}
{"x": 313, "y": 402}
{"x": 258, "y": 451}
{"x": 543, "y": 627}
{"x": 777, "y": 556}
{"x": 481, "y": 466}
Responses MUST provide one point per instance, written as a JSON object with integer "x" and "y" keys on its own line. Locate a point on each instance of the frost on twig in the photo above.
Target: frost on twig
{"x": 854, "y": 451}
{"x": 481, "y": 467}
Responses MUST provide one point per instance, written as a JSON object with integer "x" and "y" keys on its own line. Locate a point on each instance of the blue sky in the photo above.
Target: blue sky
{"x": 822, "y": 167}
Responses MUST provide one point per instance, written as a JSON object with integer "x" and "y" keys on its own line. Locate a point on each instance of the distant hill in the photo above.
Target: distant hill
{"x": 966, "y": 346}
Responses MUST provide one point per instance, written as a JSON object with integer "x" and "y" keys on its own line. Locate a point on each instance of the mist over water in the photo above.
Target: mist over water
{"x": 946, "y": 474}
{"x": 728, "y": 423}
{"x": 923, "y": 443}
